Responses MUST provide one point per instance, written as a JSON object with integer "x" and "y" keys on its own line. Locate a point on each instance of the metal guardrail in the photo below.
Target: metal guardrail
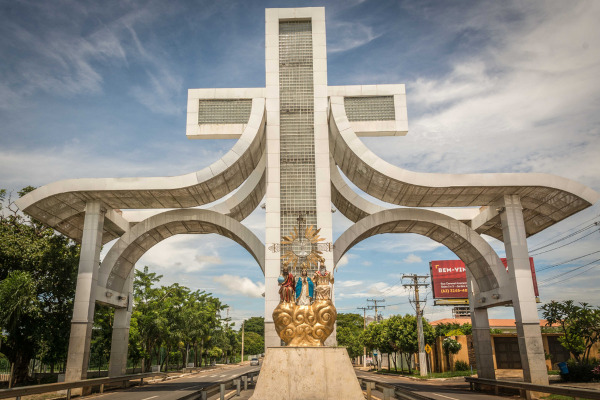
{"x": 221, "y": 386}
{"x": 525, "y": 387}
{"x": 389, "y": 391}
{"x": 68, "y": 386}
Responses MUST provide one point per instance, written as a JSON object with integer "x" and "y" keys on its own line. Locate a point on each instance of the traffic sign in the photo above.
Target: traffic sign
{"x": 428, "y": 349}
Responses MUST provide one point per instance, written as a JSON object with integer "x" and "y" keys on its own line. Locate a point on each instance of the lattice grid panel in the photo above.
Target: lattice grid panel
{"x": 224, "y": 111}
{"x": 297, "y": 148}
{"x": 376, "y": 108}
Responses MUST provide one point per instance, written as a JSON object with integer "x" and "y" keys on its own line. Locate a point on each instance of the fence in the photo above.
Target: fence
{"x": 203, "y": 393}
{"x": 68, "y": 386}
{"x": 524, "y": 387}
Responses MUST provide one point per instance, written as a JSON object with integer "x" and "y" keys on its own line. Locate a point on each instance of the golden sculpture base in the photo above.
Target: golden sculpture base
{"x": 300, "y": 373}
{"x": 305, "y": 326}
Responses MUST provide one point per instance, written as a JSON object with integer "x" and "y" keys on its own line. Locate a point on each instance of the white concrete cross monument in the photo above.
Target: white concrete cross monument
{"x": 295, "y": 135}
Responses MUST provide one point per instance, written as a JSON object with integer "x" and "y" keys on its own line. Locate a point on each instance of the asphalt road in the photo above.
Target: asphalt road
{"x": 451, "y": 389}
{"x": 176, "y": 388}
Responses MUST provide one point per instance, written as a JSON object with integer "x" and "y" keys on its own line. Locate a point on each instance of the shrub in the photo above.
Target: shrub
{"x": 461, "y": 366}
{"x": 451, "y": 346}
{"x": 580, "y": 371}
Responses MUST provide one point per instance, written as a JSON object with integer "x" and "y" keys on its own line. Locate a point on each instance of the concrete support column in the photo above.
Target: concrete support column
{"x": 85, "y": 294}
{"x": 482, "y": 341}
{"x": 120, "y": 334}
{"x": 523, "y": 297}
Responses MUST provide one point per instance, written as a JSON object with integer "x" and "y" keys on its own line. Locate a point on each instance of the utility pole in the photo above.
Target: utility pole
{"x": 422, "y": 355}
{"x": 243, "y": 341}
{"x": 375, "y": 306}
{"x": 364, "y": 328}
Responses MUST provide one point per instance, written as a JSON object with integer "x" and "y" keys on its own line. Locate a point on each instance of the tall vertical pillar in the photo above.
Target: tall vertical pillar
{"x": 520, "y": 281}
{"x": 85, "y": 294}
{"x": 272, "y": 196}
{"x": 482, "y": 341}
{"x": 298, "y": 178}
{"x": 117, "y": 365}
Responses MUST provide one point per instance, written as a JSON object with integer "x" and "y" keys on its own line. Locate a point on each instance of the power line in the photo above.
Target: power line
{"x": 576, "y": 226}
{"x": 545, "y": 281}
{"x": 572, "y": 276}
{"x": 391, "y": 287}
{"x": 566, "y": 244}
{"x": 568, "y": 236}
{"x": 564, "y": 262}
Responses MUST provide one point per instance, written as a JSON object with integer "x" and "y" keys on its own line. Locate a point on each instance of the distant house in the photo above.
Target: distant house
{"x": 505, "y": 346}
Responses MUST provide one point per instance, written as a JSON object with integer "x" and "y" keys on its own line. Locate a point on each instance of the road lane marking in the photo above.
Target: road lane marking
{"x": 447, "y": 397}
{"x": 223, "y": 376}
{"x": 148, "y": 398}
{"x": 212, "y": 376}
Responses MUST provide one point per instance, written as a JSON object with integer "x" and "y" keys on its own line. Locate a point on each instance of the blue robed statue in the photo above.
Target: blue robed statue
{"x": 304, "y": 289}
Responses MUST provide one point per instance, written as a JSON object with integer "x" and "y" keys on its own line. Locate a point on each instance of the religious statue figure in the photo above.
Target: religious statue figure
{"x": 304, "y": 289}
{"x": 305, "y": 316}
{"x": 287, "y": 286}
{"x": 322, "y": 279}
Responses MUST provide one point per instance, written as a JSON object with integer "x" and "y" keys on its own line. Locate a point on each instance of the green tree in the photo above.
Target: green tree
{"x": 450, "y": 346}
{"x": 253, "y": 343}
{"x": 37, "y": 260}
{"x": 347, "y": 338}
{"x": 580, "y": 326}
{"x": 101, "y": 336}
{"x": 349, "y": 328}
{"x": 350, "y": 320}
{"x": 403, "y": 338}
{"x": 256, "y": 325}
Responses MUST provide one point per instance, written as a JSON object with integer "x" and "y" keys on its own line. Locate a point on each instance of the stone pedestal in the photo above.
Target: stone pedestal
{"x": 316, "y": 373}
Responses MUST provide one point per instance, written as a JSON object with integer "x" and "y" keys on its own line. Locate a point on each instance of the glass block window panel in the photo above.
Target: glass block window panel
{"x": 224, "y": 111}
{"x": 376, "y": 108}
{"x": 297, "y": 147}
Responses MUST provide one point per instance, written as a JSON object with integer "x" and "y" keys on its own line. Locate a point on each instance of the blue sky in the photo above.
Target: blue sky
{"x": 99, "y": 89}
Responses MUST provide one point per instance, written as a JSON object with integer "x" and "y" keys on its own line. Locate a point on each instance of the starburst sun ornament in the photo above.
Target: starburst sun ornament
{"x": 303, "y": 247}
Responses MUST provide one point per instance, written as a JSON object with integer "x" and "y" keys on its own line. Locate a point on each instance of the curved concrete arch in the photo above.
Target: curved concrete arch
{"x": 238, "y": 206}
{"x": 347, "y": 201}
{"x": 247, "y": 198}
{"x": 479, "y": 257}
{"x": 58, "y": 201}
{"x": 355, "y": 207}
{"x": 546, "y": 199}
{"x": 122, "y": 257}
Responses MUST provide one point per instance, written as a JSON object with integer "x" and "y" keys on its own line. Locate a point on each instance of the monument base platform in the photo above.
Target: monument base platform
{"x": 299, "y": 373}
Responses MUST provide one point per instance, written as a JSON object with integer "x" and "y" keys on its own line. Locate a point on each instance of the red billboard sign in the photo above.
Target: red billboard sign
{"x": 449, "y": 278}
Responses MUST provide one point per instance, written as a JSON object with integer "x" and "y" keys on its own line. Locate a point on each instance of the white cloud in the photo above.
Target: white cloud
{"x": 412, "y": 258}
{"x": 347, "y": 284}
{"x": 513, "y": 105}
{"x": 349, "y": 35}
{"x": 374, "y": 289}
{"x": 343, "y": 261}
{"x": 234, "y": 284}
{"x": 181, "y": 254}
